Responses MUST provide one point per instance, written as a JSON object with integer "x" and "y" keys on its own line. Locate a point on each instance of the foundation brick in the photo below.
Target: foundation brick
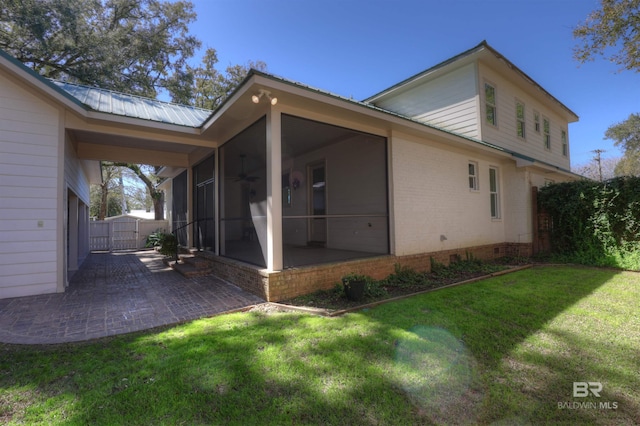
{"x": 289, "y": 283}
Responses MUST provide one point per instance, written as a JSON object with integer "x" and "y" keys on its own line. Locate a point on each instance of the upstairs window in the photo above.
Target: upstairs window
{"x": 490, "y": 104}
{"x": 494, "y": 193}
{"x": 473, "y": 175}
{"x": 565, "y": 147}
{"x": 520, "y": 123}
{"x": 546, "y": 128}
{"x": 536, "y": 121}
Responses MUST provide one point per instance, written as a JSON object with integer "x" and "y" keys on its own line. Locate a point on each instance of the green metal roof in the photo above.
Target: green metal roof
{"x": 122, "y": 104}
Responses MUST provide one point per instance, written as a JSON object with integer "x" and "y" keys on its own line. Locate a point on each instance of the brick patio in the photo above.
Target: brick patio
{"x": 116, "y": 293}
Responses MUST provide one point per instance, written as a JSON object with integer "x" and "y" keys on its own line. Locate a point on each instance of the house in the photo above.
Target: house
{"x": 285, "y": 187}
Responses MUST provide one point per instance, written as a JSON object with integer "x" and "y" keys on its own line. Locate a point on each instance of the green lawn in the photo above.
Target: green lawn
{"x": 505, "y": 350}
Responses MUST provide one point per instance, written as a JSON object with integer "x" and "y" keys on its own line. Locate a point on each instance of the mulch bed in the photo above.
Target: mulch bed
{"x": 334, "y": 301}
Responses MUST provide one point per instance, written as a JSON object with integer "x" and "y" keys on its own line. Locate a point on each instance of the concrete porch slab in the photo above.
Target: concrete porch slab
{"x": 116, "y": 293}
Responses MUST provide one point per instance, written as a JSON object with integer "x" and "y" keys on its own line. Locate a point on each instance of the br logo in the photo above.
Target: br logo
{"x": 582, "y": 389}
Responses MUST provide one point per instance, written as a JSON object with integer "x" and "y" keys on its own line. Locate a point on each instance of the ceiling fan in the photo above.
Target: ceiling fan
{"x": 243, "y": 176}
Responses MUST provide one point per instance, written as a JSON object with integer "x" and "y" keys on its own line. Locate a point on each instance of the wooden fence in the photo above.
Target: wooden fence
{"x": 122, "y": 233}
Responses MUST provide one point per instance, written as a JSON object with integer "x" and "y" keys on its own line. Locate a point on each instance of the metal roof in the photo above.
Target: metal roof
{"x": 116, "y": 103}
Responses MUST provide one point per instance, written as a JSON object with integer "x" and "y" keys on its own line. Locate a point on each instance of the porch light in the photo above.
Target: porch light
{"x": 256, "y": 98}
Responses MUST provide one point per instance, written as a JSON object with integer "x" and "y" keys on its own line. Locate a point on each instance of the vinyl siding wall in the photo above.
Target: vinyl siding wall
{"x": 29, "y": 130}
{"x": 75, "y": 175}
{"x": 505, "y": 134}
{"x": 77, "y": 220}
{"x": 448, "y": 102}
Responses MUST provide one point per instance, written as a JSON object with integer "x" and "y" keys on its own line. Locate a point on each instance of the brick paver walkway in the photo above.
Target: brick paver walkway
{"x": 115, "y": 293}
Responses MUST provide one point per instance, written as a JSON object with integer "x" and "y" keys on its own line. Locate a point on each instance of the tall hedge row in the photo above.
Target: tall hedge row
{"x": 595, "y": 223}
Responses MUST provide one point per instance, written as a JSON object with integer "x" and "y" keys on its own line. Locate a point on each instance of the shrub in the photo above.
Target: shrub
{"x": 404, "y": 276}
{"x": 167, "y": 243}
{"x": 595, "y": 223}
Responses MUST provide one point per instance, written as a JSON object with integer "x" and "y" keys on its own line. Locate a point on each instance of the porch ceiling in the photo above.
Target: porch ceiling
{"x": 110, "y": 147}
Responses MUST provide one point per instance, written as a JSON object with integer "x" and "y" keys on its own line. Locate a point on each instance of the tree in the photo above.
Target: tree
{"x": 629, "y": 165}
{"x": 133, "y": 46}
{"x": 592, "y": 169}
{"x": 615, "y": 26}
{"x": 106, "y": 197}
{"x": 626, "y": 135}
{"x": 211, "y": 87}
{"x": 147, "y": 174}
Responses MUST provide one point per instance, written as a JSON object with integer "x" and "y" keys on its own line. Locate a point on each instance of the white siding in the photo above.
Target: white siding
{"x": 448, "y": 102}
{"x": 505, "y": 135}
{"x": 29, "y": 132}
{"x": 74, "y": 174}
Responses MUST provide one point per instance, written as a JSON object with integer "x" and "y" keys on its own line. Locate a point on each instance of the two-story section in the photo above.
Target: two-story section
{"x": 481, "y": 95}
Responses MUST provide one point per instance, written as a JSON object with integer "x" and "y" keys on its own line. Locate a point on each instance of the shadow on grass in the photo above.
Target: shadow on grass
{"x": 461, "y": 355}
{"x": 529, "y": 336}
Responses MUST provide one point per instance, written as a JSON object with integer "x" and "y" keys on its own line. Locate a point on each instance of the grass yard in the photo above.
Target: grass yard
{"x": 506, "y": 350}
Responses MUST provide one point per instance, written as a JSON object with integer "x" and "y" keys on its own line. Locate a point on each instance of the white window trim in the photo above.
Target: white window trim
{"x": 524, "y": 120}
{"x": 537, "y": 126}
{"x": 495, "y": 104}
{"x": 495, "y": 193}
{"x": 476, "y": 186}
{"x": 546, "y": 135}
{"x": 564, "y": 138}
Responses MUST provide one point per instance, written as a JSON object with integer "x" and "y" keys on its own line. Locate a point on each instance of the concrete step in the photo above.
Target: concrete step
{"x": 190, "y": 266}
{"x": 196, "y": 261}
{"x": 190, "y": 271}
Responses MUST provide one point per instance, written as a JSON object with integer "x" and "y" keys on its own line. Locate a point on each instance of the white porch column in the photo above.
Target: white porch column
{"x": 274, "y": 190}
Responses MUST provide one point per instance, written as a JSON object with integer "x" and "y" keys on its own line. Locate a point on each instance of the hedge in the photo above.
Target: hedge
{"x": 595, "y": 223}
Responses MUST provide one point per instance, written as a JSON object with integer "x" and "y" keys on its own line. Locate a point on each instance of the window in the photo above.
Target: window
{"x": 473, "y": 175}
{"x": 546, "y": 128}
{"x": 536, "y": 121}
{"x": 520, "y": 127}
{"x": 494, "y": 192}
{"x": 565, "y": 147}
{"x": 490, "y": 104}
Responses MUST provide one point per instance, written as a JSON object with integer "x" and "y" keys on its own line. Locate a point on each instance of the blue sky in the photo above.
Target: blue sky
{"x": 358, "y": 48}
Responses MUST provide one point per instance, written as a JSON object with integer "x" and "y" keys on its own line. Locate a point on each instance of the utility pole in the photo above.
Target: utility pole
{"x": 598, "y": 152}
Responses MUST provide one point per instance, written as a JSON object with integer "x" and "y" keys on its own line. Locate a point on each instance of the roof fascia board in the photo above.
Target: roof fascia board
{"x": 140, "y": 122}
{"x": 229, "y": 101}
{"x": 524, "y": 161}
{"x": 30, "y": 77}
{"x": 75, "y": 122}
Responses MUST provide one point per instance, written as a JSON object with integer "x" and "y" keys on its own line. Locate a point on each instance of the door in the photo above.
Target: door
{"x": 317, "y": 204}
{"x": 125, "y": 234}
{"x": 204, "y": 209}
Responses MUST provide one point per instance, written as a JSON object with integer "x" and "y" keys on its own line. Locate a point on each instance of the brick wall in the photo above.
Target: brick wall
{"x": 282, "y": 285}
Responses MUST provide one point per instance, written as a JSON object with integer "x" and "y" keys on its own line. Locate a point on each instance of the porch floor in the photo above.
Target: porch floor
{"x": 294, "y": 255}
{"x": 117, "y": 293}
